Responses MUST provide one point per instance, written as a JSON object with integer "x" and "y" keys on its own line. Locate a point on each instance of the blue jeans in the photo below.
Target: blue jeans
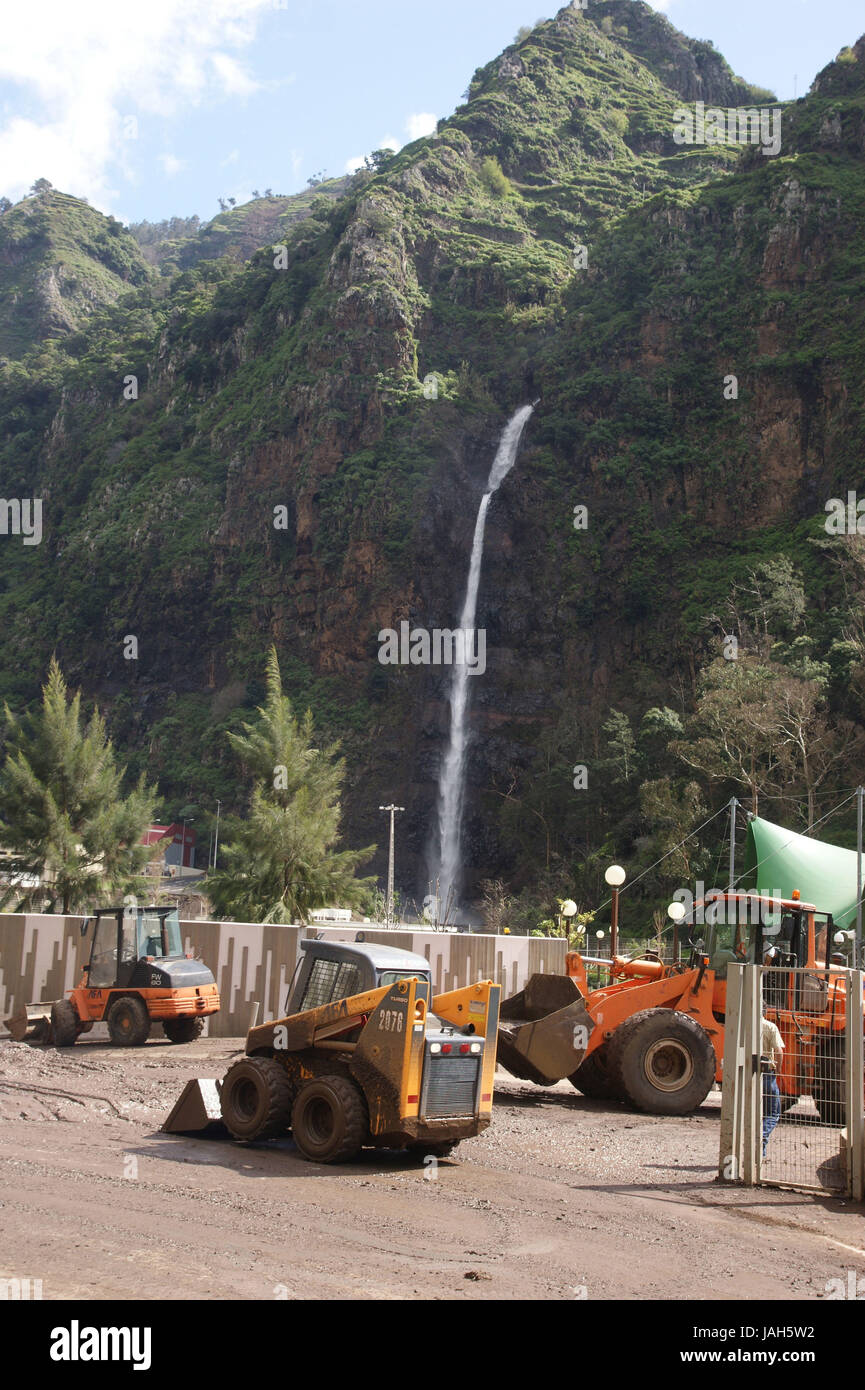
{"x": 771, "y": 1106}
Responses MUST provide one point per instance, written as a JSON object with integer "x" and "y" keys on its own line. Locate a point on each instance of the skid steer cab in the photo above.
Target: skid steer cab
{"x": 365, "y": 1055}
{"x": 137, "y": 974}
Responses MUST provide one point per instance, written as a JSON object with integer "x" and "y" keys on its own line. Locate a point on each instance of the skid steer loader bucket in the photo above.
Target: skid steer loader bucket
{"x": 544, "y": 1030}
{"x": 31, "y": 1024}
{"x": 198, "y": 1108}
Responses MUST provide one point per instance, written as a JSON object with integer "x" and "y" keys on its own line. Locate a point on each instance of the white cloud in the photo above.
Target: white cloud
{"x": 352, "y": 165}
{"x": 231, "y": 158}
{"x": 420, "y": 124}
{"x": 171, "y": 165}
{"x": 390, "y": 142}
{"x": 82, "y": 69}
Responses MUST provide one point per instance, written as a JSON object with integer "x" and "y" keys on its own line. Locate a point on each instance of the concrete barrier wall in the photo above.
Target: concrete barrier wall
{"x": 41, "y": 958}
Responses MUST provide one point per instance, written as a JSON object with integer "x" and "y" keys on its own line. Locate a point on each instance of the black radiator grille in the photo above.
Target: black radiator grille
{"x": 450, "y": 1085}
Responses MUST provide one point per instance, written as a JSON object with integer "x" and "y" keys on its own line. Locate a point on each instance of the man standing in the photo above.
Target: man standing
{"x": 771, "y": 1048}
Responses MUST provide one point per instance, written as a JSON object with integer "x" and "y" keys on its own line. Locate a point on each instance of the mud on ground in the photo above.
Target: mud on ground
{"x": 562, "y": 1198}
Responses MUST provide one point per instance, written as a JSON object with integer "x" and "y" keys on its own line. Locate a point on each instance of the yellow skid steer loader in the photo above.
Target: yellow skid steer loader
{"x": 364, "y": 1055}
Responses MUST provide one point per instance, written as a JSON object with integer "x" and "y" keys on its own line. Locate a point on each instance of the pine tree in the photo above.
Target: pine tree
{"x": 280, "y": 858}
{"x": 62, "y": 812}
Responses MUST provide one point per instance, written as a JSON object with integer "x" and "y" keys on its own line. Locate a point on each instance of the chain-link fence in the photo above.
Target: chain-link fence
{"x": 793, "y": 1078}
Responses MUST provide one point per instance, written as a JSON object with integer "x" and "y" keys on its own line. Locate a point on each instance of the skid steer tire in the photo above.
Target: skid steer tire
{"x": 830, "y": 1083}
{"x": 592, "y": 1076}
{"x": 64, "y": 1023}
{"x": 662, "y": 1061}
{"x": 128, "y": 1022}
{"x": 330, "y": 1121}
{"x": 182, "y": 1030}
{"x": 256, "y": 1099}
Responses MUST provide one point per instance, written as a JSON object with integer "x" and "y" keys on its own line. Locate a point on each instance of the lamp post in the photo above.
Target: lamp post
{"x": 390, "y": 858}
{"x": 216, "y": 837}
{"x": 183, "y": 842}
{"x": 676, "y": 912}
{"x": 614, "y": 877}
{"x": 567, "y": 910}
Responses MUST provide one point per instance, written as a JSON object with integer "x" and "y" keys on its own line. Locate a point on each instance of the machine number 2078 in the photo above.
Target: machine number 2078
{"x": 392, "y": 1020}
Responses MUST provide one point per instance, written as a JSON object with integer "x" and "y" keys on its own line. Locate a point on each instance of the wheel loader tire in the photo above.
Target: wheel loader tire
{"x": 830, "y": 1083}
{"x": 593, "y": 1078}
{"x": 330, "y": 1121}
{"x": 662, "y": 1061}
{"x": 128, "y": 1022}
{"x": 256, "y": 1098}
{"x": 64, "y": 1023}
{"x": 182, "y": 1030}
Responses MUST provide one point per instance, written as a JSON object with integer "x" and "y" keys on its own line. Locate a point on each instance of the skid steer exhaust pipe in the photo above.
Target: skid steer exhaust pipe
{"x": 31, "y": 1024}
{"x": 544, "y": 1030}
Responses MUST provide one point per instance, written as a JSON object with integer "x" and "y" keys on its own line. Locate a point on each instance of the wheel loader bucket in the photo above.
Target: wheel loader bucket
{"x": 545, "y": 1030}
{"x": 198, "y": 1108}
{"x": 31, "y": 1024}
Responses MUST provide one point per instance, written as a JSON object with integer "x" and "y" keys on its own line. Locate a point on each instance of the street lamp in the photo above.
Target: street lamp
{"x": 216, "y": 837}
{"x": 567, "y": 909}
{"x": 676, "y": 913}
{"x": 615, "y": 877}
{"x": 389, "y": 905}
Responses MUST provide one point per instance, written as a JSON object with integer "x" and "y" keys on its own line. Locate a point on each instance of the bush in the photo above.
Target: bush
{"x": 493, "y": 178}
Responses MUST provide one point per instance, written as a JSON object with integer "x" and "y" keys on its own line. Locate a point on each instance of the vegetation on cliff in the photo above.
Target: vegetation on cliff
{"x": 237, "y": 447}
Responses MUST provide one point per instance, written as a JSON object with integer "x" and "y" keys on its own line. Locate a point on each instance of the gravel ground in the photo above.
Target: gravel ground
{"x": 561, "y": 1198}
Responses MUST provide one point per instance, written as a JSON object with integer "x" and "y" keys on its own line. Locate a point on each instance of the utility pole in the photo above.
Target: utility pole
{"x": 216, "y": 837}
{"x": 389, "y": 900}
{"x": 733, "y": 804}
{"x": 857, "y": 959}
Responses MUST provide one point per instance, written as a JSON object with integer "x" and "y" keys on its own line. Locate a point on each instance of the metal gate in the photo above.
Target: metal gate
{"x": 802, "y": 1125}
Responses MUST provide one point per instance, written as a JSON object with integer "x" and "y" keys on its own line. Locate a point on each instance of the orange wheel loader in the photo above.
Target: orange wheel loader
{"x": 654, "y": 1036}
{"x": 138, "y": 974}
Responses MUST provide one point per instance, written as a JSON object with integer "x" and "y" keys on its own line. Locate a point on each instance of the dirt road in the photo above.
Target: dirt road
{"x": 562, "y": 1198}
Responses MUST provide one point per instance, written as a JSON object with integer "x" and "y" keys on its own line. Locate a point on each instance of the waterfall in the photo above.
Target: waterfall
{"x": 451, "y": 792}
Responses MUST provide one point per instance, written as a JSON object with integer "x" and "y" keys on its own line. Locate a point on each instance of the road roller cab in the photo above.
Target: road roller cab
{"x": 137, "y": 974}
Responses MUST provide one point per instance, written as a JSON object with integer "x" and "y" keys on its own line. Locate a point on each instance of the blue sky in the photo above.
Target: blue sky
{"x": 161, "y": 108}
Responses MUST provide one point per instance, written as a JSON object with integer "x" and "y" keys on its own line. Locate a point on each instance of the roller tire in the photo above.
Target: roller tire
{"x": 64, "y": 1023}
{"x": 128, "y": 1022}
{"x": 182, "y": 1030}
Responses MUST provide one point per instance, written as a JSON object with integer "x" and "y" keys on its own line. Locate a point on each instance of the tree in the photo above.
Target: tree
{"x": 62, "y": 812}
{"x": 734, "y": 733}
{"x": 280, "y": 858}
{"x": 376, "y": 161}
{"x": 41, "y": 186}
{"x": 5, "y": 205}
{"x": 622, "y": 745}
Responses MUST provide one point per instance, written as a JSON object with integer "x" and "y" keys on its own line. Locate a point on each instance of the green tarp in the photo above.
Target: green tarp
{"x": 824, "y": 874}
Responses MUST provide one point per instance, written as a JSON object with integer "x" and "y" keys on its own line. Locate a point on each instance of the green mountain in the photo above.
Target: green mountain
{"x": 61, "y": 262}
{"x": 282, "y": 474}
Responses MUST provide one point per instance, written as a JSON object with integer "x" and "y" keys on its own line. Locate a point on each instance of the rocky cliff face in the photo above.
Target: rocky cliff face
{"x": 283, "y": 474}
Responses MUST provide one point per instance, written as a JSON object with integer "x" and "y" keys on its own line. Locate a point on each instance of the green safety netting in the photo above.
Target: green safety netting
{"x": 778, "y": 860}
